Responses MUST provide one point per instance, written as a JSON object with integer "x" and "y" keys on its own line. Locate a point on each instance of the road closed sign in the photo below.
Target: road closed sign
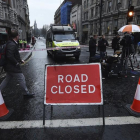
{"x": 73, "y": 84}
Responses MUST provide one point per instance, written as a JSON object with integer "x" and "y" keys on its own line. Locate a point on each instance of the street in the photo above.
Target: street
{"x": 73, "y": 122}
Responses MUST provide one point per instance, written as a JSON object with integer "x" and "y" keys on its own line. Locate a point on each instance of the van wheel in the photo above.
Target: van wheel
{"x": 48, "y": 53}
{"x": 77, "y": 57}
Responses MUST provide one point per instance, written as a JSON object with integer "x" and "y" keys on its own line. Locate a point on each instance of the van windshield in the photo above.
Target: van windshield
{"x": 64, "y": 36}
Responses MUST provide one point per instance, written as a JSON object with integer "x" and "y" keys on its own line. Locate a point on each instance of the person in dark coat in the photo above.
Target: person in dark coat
{"x": 115, "y": 43}
{"x": 12, "y": 66}
{"x": 126, "y": 42}
{"x": 92, "y": 45}
{"x": 103, "y": 43}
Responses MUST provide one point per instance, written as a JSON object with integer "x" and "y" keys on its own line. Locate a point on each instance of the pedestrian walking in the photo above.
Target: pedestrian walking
{"x": 25, "y": 43}
{"x": 92, "y": 46}
{"x": 103, "y": 43}
{"x": 20, "y": 43}
{"x": 115, "y": 43}
{"x": 12, "y": 66}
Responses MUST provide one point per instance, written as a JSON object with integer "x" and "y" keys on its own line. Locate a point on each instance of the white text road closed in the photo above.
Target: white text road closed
{"x": 73, "y": 84}
{"x": 83, "y": 78}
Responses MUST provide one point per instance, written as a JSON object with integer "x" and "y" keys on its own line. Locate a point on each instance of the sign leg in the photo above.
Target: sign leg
{"x": 43, "y": 114}
{"x": 51, "y": 111}
{"x": 103, "y": 115}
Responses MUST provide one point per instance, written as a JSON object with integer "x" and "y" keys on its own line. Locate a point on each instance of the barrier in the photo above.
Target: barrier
{"x": 4, "y": 112}
{"x": 134, "y": 109}
{"x": 75, "y": 84}
{"x": 55, "y": 48}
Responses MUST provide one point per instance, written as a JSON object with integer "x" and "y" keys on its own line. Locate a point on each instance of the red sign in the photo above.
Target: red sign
{"x": 73, "y": 84}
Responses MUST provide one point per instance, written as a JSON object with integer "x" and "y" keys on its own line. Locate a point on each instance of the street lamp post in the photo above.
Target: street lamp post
{"x": 130, "y": 4}
{"x": 118, "y": 7}
{"x": 101, "y": 4}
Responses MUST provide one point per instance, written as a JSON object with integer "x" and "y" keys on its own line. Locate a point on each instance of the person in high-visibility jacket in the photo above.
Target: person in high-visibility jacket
{"x": 25, "y": 43}
{"x": 20, "y": 43}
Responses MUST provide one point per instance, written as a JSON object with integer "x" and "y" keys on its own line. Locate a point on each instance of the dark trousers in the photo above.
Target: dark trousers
{"x": 20, "y": 45}
{"x": 19, "y": 77}
{"x": 102, "y": 55}
{"x": 92, "y": 53}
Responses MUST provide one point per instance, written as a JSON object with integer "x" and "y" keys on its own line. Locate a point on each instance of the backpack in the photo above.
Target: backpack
{"x": 128, "y": 41}
{"x": 2, "y": 55}
{"x": 129, "y": 44}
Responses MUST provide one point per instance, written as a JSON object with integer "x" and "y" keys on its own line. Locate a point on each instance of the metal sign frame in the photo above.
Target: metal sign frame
{"x": 51, "y": 104}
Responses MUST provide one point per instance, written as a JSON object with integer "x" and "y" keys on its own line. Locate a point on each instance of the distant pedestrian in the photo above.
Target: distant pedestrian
{"x": 136, "y": 40}
{"x": 126, "y": 42}
{"x": 103, "y": 43}
{"x": 115, "y": 42}
{"x": 33, "y": 40}
{"x": 25, "y": 43}
{"x": 92, "y": 45}
{"x": 12, "y": 66}
{"x": 20, "y": 43}
{"x": 98, "y": 49}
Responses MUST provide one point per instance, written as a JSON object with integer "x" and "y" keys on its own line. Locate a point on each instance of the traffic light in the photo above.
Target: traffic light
{"x": 130, "y": 14}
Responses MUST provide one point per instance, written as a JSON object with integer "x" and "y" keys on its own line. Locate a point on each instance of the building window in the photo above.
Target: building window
{"x": 107, "y": 27}
{"x": 14, "y": 5}
{"x": 109, "y": 6}
{"x": 15, "y": 18}
{"x": 127, "y": 3}
{"x": 92, "y": 13}
{"x": 115, "y": 23}
{"x": 95, "y": 28}
{"x": 103, "y": 8}
{"x": 91, "y": 30}
{"x": 96, "y": 11}
{"x": 87, "y": 16}
{"x": 138, "y": 19}
{"x": 92, "y": 2}
{"x": 87, "y": 2}
{"x": 84, "y": 4}
{"x": 138, "y": 3}
{"x": 84, "y": 16}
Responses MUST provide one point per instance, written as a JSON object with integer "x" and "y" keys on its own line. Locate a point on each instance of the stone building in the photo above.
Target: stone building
{"x": 114, "y": 16}
{"x": 76, "y": 20}
{"x": 14, "y": 14}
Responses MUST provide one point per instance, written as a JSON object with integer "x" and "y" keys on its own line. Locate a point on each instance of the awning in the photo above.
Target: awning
{"x": 3, "y": 31}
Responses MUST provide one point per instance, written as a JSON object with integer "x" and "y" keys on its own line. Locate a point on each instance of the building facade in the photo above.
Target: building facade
{"x": 57, "y": 16}
{"x": 114, "y": 16}
{"x": 14, "y": 14}
{"x": 76, "y": 20}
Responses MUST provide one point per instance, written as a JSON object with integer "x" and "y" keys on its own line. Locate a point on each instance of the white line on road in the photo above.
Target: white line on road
{"x": 69, "y": 123}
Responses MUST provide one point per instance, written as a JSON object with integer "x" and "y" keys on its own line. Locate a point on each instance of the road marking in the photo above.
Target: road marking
{"x": 69, "y": 123}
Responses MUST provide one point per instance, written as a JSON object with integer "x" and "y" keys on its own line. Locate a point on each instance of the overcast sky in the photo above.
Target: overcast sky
{"x": 42, "y": 11}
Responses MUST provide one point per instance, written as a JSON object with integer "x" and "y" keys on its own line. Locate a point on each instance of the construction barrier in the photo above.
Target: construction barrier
{"x": 4, "y": 112}
{"x": 73, "y": 84}
{"x": 134, "y": 109}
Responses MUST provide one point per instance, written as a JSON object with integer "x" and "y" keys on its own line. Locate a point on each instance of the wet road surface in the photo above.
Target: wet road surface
{"x": 117, "y": 93}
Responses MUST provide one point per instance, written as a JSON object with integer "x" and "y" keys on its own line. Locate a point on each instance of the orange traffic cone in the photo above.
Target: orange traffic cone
{"x": 4, "y": 112}
{"x": 134, "y": 109}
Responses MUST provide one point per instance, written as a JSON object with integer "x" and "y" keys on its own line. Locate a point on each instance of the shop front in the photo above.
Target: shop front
{"x": 4, "y": 35}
